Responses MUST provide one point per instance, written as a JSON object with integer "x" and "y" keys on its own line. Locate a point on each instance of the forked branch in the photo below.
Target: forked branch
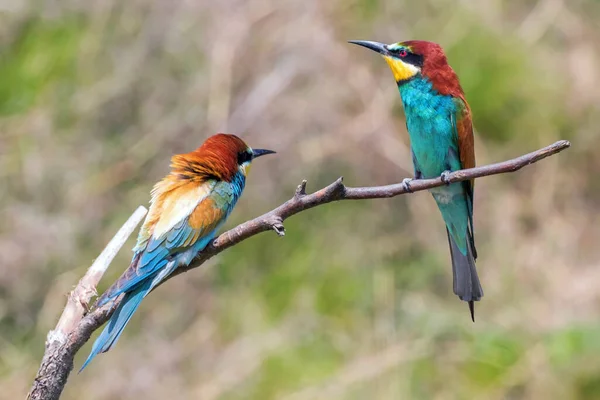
{"x": 74, "y": 329}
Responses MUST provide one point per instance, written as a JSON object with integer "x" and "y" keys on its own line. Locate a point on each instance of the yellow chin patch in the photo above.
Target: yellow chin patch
{"x": 401, "y": 70}
{"x": 245, "y": 168}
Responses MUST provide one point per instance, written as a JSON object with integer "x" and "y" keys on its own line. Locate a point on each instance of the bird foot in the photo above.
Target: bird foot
{"x": 446, "y": 177}
{"x": 406, "y": 185}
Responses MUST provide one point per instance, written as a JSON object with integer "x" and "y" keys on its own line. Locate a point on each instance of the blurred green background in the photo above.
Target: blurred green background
{"x": 356, "y": 301}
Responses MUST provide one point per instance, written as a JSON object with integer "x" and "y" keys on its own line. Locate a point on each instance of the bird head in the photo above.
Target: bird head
{"x": 246, "y": 155}
{"x": 221, "y": 156}
{"x": 409, "y": 59}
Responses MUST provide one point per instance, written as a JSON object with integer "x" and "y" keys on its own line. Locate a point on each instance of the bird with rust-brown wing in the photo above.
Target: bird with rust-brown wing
{"x": 439, "y": 124}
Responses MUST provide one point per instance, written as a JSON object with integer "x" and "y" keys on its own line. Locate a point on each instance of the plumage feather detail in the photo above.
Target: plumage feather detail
{"x": 111, "y": 333}
{"x": 436, "y": 68}
{"x": 215, "y": 159}
{"x": 429, "y": 101}
{"x": 466, "y": 150}
{"x": 445, "y": 81}
{"x": 187, "y": 208}
{"x": 438, "y": 120}
{"x": 179, "y": 204}
{"x": 197, "y": 215}
{"x": 465, "y": 280}
{"x": 464, "y": 129}
{"x": 163, "y": 253}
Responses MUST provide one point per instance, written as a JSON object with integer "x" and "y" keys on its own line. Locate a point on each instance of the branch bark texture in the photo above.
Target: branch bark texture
{"x": 61, "y": 344}
{"x": 74, "y": 329}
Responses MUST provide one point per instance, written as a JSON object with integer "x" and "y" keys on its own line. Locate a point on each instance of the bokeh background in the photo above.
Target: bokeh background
{"x": 356, "y": 301}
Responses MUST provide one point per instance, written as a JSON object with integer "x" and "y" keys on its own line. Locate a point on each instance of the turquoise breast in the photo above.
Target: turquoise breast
{"x": 429, "y": 120}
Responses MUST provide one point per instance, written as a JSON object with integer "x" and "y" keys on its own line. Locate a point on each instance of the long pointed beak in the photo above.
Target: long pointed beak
{"x": 261, "y": 152}
{"x": 375, "y": 46}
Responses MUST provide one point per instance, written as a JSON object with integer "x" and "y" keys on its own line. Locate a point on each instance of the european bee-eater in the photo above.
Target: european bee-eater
{"x": 187, "y": 208}
{"x": 438, "y": 119}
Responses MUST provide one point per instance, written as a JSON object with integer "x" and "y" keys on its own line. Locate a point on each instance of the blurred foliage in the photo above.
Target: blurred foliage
{"x": 355, "y": 302}
{"x": 41, "y": 55}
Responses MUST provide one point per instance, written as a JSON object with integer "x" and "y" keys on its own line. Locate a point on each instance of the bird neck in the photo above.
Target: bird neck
{"x": 238, "y": 182}
{"x": 233, "y": 186}
{"x": 419, "y": 97}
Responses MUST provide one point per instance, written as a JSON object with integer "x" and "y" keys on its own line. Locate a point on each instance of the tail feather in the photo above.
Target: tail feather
{"x": 466, "y": 281}
{"x": 111, "y": 333}
{"x": 130, "y": 303}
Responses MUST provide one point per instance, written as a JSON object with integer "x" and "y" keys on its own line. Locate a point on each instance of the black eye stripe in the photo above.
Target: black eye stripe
{"x": 243, "y": 157}
{"x": 414, "y": 59}
{"x": 409, "y": 58}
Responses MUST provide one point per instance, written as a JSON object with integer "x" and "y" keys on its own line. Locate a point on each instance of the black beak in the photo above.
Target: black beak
{"x": 375, "y": 46}
{"x": 261, "y": 152}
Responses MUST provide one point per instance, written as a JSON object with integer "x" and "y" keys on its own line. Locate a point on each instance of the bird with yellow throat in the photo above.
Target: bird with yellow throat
{"x": 438, "y": 119}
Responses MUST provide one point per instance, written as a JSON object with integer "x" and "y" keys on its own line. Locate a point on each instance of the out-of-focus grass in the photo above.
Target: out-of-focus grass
{"x": 39, "y": 58}
{"x": 355, "y": 302}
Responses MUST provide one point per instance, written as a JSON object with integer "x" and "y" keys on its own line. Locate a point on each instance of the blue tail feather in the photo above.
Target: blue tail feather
{"x": 111, "y": 333}
{"x": 456, "y": 207}
{"x": 136, "y": 286}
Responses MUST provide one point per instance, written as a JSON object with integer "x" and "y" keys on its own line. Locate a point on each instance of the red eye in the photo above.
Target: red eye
{"x": 402, "y": 53}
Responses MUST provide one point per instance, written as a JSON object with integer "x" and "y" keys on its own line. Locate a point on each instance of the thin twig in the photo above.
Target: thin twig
{"x": 337, "y": 191}
{"x": 58, "y": 360}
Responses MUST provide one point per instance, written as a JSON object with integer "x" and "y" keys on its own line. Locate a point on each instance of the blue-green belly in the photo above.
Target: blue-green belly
{"x": 430, "y": 124}
{"x": 434, "y": 143}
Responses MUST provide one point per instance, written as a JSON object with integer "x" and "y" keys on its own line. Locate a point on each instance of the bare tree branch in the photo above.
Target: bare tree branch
{"x": 58, "y": 358}
{"x": 273, "y": 220}
{"x": 71, "y": 334}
